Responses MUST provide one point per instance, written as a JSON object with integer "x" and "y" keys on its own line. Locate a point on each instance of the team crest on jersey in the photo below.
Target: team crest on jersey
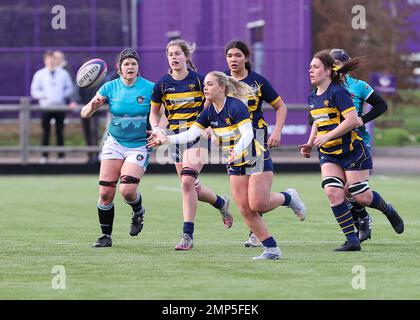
{"x": 191, "y": 86}
{"x": 140, "y": 99}
{"x": 140, "y": 157}
{"x": 228, "y": 122}
{"x": 326, "y": 103}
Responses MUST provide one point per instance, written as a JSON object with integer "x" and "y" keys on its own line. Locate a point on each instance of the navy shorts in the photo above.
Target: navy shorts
{"x": 357, "y": 160}
{"x": 261, "y": 164}
{"x": 177, "y": 150}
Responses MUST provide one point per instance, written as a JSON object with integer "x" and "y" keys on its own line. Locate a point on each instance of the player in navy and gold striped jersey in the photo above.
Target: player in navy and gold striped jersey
{"x": 343, "y": 154}
{"x": 181, "y": 94}
{"x": 237, "y": 57}
{"x": 229, "y": 118}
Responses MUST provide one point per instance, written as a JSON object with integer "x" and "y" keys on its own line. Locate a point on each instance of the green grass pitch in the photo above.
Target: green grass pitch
{"x": 50, "y": 221}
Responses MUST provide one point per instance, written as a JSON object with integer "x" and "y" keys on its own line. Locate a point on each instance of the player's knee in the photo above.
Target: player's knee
{"x": 188, "y": 179}
{"x": 106, "y": 197}
{"x": 334, "y": 189}
{"x": 361, "y": 193}
{"x": 258, "y": 206}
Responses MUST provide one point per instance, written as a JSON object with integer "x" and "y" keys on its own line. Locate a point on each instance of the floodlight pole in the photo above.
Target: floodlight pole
{"x": 134, "y": 24}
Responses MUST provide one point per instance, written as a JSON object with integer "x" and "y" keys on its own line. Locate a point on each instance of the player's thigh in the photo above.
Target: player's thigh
{"x": 239, "y": 186}
{"x": 357, "y": 176}
{"x": 260, "y": 187}
{"x": 110, "y": 170}
{"x": 195, "y": 158}
{"x": 332, "y": 170}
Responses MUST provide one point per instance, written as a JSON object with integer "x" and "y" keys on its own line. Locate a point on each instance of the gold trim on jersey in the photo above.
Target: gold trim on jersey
{"x": 184, "y": 125}
{"x": 275, "y": 100}
{"x": 182, "y": 116}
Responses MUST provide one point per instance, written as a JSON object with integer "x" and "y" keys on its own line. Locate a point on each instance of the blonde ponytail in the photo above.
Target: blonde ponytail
{"x": 234, "y": 88}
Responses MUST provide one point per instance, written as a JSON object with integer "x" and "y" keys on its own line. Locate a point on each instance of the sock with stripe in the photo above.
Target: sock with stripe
{"x": 189, "y": 228}
{"x": 345, "y": 221}
{"x": 379, "y": 203}
{"x": 106, "y": 217}
{"x": 358, "y": 211}
{"x": 136, "y": 204}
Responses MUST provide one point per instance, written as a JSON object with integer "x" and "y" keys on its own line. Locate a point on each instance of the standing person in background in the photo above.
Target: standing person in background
{"x": 82, "y": 96}
{"x": 361, "y": 92}
{"x": 124, "y": 154}
{"x": 52, "y": 87}
{"x": 181, "y": 94}
{"x": 343, "y": 156}
{"x": 237, "y": 56}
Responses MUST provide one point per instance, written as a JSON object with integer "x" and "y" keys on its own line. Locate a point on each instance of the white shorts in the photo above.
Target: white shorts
{"x": 112, "y": 150}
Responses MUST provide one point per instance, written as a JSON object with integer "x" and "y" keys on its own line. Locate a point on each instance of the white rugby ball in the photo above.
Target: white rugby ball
{"x": 91, "y": 73}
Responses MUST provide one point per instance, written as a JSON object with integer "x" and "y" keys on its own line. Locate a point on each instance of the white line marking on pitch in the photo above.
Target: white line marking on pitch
{"x": 168, "y": 188}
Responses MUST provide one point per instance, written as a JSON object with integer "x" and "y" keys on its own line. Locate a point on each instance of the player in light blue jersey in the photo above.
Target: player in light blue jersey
{"x": 124, "y": 154}
{"x": 361, "y": 93}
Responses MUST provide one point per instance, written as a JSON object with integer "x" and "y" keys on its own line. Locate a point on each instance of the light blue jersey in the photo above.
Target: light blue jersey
{"x": 129, "y": 107}
{"x": 360, "y": 91}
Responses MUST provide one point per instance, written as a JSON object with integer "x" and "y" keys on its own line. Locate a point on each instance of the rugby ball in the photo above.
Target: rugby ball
{"x": 91, "y": 73}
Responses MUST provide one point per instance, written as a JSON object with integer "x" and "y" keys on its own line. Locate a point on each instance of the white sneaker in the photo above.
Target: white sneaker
{"x": 269, "y": 254}
{"x": 253, "y": 241}
{"x": 297, "y": 205}
{"x": 227, "y": 217}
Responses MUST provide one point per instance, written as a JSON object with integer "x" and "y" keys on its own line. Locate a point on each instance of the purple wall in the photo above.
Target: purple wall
{"x": 210, "y": 25}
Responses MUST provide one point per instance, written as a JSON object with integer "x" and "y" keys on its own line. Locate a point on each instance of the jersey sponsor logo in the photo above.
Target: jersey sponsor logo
{"x": 214, "y": 123}
{"x": 311, "y": 106}
{"x": 320, "y": 117}
{"x": 171, "y": 89}
{"x": 140, "y": 99}
{"x": 181, "y": 100}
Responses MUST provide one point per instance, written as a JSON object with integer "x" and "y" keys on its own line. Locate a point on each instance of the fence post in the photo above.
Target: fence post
{"x": 24, "y": 116}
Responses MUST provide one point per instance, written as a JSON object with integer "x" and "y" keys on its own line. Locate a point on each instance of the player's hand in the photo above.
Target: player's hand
{"x": 274, "y": 140}
{"x": 98, "y": 102}
{"x": 305, "y": 150}
{"x": 321, "y": 140}
{"x": 154, "y": 141}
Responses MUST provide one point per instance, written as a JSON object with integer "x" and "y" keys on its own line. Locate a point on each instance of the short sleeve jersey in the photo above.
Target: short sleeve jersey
{"x": 129, "y": 107}
{"x": 327, "y": 112}
{"x": 225, "y": 125}
{"x": 183, "y": 99}
{"x": 263, "y": 91}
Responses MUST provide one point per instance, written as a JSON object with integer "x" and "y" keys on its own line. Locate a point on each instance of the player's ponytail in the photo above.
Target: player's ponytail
{"x": 233, "y": 88}
{"x": 336, "y": 71}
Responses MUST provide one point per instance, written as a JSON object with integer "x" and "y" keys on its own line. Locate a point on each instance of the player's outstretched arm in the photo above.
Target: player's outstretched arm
{"x": 93, "y": 105}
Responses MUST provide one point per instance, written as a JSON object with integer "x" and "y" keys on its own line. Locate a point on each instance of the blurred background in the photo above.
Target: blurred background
{"x": 283, "y": 35}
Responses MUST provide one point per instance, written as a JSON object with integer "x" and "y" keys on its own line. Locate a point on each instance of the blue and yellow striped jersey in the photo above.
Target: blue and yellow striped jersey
{"x": 263, "y": 91}
{"x": 327, "y": 112}
{"x": 183, "y": 99}
{"x": 225, "y": 126}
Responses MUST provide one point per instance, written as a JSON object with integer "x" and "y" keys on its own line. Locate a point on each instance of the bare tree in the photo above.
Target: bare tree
{"x": 381, "y": 43}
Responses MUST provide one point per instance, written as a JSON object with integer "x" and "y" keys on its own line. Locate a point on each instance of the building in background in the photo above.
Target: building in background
{"x": 278, "y": 31}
